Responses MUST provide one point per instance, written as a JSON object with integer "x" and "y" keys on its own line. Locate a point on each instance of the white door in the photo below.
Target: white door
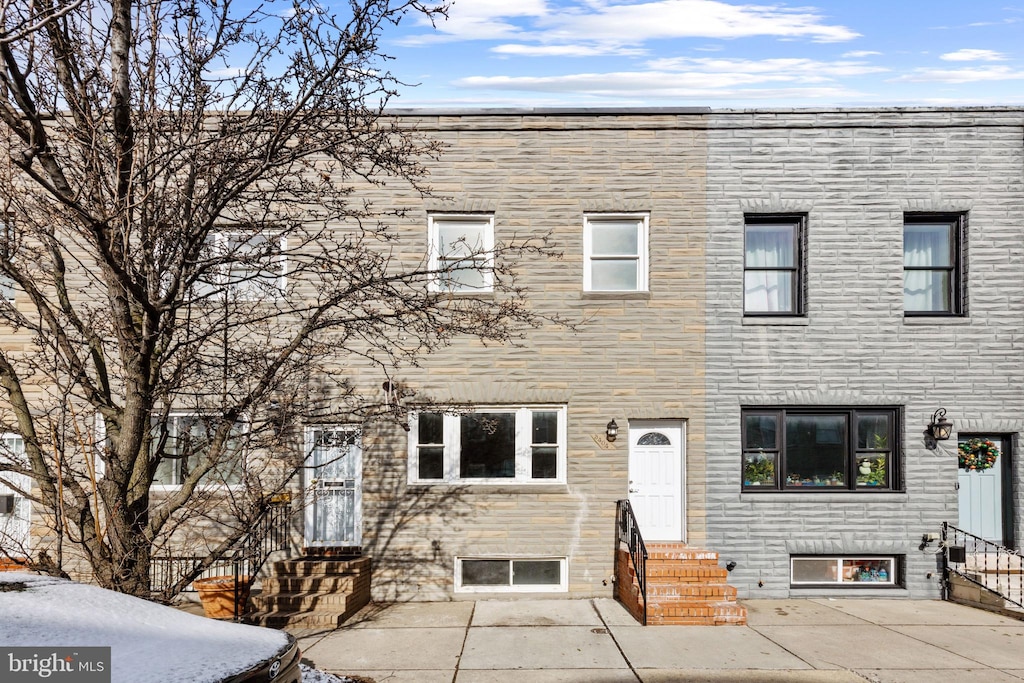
{"x": 14, "y": 507}
{"x": 334, "y": 486}
{"x": 981, "y": 497}
{"x": 656, "y": 478}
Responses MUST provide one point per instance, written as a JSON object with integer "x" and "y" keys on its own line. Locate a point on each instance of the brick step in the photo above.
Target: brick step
{"x": 318, "y": 567}
{"x": 685, "y": 573}
{"x": 682, "y": 612}
{"x": 313, "y": 584}
{"x": 705, "y": 592}
{"x": 282, "y": 619}
{"x": 657, "y": 552}
{"x": 302, "y": 602}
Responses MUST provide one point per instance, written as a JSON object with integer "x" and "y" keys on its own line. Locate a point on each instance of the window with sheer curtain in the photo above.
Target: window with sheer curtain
{"x": 772, "y": 265}
{"x": 932, "y": 264}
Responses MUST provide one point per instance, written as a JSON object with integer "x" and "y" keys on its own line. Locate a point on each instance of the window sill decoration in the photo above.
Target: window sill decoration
{"x": 978, "y": 454}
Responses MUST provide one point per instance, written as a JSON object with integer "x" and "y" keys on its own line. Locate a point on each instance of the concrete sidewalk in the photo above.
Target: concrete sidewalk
{"x": 596, "y": 641}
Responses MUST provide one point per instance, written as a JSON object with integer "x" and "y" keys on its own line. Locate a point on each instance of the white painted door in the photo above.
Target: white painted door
{"x": 15, "y": 508}
{"x": 981, "y": 498}
{"x": 334, "y": 486}
{"x": 656, "y": 449}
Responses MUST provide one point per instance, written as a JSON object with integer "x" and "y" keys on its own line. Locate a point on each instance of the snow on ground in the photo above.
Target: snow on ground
{"x": 150, "y": 643}
{"x": 317, "y": 676}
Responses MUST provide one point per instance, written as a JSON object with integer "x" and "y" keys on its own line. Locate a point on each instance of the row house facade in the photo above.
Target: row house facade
{"x": 771, "y": 308}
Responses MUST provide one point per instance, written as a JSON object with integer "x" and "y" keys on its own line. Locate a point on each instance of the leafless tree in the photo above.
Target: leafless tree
{"x": 191, "y": 270}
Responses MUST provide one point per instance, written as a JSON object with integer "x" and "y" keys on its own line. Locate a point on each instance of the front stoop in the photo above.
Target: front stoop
{"x": 685, "y": 587}
{"x": 312, "y": 592}
{"x": 1002, "y": 576}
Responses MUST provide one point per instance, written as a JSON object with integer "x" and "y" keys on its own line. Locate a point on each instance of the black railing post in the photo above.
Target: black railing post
{"x": 628, "y": 530}
{"x": 944, "y": 546}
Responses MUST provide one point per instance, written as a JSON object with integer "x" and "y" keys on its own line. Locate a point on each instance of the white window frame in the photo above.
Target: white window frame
{"x": 642, "y": 221}
{"x": 8, "y": 287}
{"x": 523, "y": 447}
{"x": 20, "y": 515}
{"x": 483, "y": 259}
{"x": 561, "y": 587}
{"x": 248, "y": 290}
{"x": 243, "y": 428}
{"x": 891, "y": 579}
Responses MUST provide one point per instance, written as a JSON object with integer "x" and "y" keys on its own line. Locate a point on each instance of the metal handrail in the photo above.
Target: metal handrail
{"x": 981, "y": 556}
{"x": 242, "y": 559}
{"x": 628, "y": 531}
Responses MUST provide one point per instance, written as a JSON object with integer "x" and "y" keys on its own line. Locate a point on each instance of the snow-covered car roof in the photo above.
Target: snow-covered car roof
{"x": 150, "y": 643}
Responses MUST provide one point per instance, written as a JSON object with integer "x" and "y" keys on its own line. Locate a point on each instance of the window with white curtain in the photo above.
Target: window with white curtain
{"x": 933, "y": 264}
{"x": 773, "y": 264}
{"x": 462, "y": 250}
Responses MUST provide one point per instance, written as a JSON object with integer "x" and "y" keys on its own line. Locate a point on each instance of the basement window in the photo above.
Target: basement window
{"x": 848, "y": 571}
{"x": 528, "y": 574}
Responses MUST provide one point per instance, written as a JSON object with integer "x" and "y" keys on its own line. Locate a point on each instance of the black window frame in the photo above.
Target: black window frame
{"x": 798, "y": 221}
{"x": 854, "y": 453}
{"x": 957, "y": 223}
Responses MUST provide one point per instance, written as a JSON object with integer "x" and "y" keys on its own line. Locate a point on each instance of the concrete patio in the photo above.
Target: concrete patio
{"x": 543, "y": 641}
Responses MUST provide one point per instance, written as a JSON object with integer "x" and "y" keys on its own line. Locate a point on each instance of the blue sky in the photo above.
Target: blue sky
{"x": 722, "y": 54}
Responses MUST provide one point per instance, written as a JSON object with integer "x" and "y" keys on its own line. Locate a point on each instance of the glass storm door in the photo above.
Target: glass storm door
{"x": 334, "y": 487}
{"x": 981, "y": 496}
{"x": 656, "y": 478}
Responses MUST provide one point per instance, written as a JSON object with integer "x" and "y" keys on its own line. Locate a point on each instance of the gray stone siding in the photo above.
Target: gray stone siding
{"x": 634, "y": 356}
{"x": 854, "y": 174}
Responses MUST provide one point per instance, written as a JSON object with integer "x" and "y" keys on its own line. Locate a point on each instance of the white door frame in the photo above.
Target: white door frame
{"x": 315, "y": 488}
{"x": 671, "y": 522}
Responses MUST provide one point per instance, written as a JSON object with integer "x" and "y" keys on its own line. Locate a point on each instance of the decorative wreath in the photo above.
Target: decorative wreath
{"x": 978, "y": 454}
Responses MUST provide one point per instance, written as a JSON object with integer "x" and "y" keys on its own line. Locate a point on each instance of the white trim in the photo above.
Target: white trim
{"x": 642, "y": 221}
{"x": 837, "y": 570}
{"x": 20, "y": 518}
{"x": 523, "y": 447}
{"x": 483, "y": 255}
{"x": 561, "y": 587}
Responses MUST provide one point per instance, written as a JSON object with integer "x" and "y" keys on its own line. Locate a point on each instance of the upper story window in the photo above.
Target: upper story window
{"x": 820, "y": 449}
{"x": 250, "y": 267}
{"x": 7, "y": 248}
{"x": 184, "y": 442}
{"x": 489, "y": 445}
{"x": 462, "y": 247}
{"x": 615, "y": 253}
{"x": 773, "y": 264}
{"x": 933, "y": 268}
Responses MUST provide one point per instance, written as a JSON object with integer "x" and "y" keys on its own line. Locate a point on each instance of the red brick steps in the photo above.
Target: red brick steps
{"x": 685, "y": 586}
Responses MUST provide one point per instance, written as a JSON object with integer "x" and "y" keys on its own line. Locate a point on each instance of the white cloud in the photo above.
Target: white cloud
{"x": 651, "y": 84}
{"x": 972, "y": 75}
{"x": 616, "y": 23}
{"x": 479, "y": 20}
{"x": 520, "y": 50}
{"x": 969, "y": 55}
{"x": 860, "y": 53}
{"x": 803, "y": 70}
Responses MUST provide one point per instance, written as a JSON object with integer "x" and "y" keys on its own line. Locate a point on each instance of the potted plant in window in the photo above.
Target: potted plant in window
{"x": 759, "y": 471}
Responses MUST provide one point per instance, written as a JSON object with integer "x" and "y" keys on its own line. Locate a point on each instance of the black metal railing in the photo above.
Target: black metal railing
{"x": 241, "y": 560}
{"x": 983, "y": 563}
{"x": 628, "y": 531}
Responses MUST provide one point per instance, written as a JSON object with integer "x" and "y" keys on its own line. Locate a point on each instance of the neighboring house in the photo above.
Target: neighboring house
{"x": 771, "y": 308}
